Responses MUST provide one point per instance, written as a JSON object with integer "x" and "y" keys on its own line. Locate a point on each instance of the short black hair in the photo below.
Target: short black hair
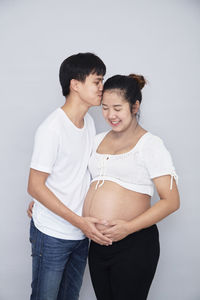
{"x": 79, "y": 66}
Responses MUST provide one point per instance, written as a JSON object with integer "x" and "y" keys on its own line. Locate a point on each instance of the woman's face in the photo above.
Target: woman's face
{"x": 116, "y": 110}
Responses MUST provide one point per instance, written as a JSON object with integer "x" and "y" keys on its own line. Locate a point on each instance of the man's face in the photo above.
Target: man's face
{"x": 90, "y": 91}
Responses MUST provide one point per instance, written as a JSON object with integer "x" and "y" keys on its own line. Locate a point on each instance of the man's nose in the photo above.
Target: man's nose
{"x": 101, "y": 86}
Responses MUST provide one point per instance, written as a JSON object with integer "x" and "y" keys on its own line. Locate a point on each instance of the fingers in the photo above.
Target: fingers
{"x": 108, "y": 231}
{"x": 29, "y": 213}
{"x": 101, "y": 238}
{"x": 30, "y": 209}
{"x": 99, "y": 241}
{"x": 93, "y": 233}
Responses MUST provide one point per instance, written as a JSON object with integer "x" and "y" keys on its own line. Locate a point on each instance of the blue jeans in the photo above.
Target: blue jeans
{"x": 57, "y": 266}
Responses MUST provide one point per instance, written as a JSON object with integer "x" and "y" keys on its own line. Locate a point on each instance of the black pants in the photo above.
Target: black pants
{"x": 125, "y": 270}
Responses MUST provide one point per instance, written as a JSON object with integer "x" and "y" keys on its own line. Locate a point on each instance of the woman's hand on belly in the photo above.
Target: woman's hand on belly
{"x": 89, "y": 229}
{"x": 118, "y": 230}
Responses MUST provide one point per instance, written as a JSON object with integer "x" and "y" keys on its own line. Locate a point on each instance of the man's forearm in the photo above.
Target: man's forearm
{"x": 86, "y": 224}
{"x": 42, "y": 194}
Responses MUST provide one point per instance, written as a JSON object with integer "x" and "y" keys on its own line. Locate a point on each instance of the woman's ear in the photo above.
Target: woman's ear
{"x": 136, "y": 107}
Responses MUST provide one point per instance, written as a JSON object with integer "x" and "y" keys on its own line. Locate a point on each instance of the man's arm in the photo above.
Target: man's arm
{"x": 38, "y": 190}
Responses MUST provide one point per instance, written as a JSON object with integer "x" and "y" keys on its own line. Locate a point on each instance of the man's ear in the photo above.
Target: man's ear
{"x": 74, "y": 85}
{"x": 136, "y": 107}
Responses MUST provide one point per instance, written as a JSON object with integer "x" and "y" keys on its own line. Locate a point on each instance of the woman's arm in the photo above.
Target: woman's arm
{"x": 168, "y": 203}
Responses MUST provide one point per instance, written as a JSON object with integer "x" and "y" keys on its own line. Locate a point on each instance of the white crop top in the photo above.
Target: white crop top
{"x": 134, "y": 169}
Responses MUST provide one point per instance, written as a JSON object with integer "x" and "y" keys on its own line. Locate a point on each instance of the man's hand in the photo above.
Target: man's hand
{"x": 89, "y": 229}
{"x": 30, "y": 209}
{"x": 118, "y": 231}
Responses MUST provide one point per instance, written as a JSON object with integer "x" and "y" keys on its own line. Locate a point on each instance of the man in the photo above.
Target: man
{"x": 59, "y": 180}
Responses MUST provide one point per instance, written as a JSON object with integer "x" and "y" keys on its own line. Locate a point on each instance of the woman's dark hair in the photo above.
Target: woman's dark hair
{"x": 130, "y": 86}
{"x": 79, "y": 66}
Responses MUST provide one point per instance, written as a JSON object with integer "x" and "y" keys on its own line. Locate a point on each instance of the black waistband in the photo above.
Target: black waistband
{"x": 149, "y": 232}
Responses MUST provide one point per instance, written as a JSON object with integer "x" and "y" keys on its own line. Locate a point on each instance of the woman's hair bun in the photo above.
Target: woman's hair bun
{"x": 140, "y": 79}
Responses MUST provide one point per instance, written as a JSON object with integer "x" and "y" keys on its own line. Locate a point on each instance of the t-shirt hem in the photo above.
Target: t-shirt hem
{"x": 59, "y": 235}
{"x": 132, "y": 187}
{"x": 164, "y": 173}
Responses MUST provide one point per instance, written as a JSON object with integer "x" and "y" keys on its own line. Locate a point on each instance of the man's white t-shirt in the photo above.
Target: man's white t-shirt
{"x": 63, "y": 150}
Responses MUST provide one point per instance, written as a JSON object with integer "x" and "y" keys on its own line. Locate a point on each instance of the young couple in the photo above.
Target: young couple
{"x": 113, "y": 210}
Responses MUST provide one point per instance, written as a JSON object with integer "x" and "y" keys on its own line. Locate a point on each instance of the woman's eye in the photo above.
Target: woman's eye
{"x": 117, "y": 109}
{"x": 104, "y": 108}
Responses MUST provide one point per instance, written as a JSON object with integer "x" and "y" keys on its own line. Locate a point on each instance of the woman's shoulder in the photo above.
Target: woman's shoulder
{"x": 153, "y": 146}
{"x": 98, "y": 138}
{"x": 152, "y": 140}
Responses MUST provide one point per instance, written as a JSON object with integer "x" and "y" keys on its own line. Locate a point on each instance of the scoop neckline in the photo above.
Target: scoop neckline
{"x": 125, "y": 153}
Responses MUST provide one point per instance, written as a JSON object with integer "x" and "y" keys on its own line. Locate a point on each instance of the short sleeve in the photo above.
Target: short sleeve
{"x": 45, "y": 150}
{"x": 158, "y": 160}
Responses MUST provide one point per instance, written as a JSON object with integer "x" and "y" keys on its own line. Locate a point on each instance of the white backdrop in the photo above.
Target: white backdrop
{"x": 159, "y": 39}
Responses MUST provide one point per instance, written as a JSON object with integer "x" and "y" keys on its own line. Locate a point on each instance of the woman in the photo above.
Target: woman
{"x": 125, "y": 164}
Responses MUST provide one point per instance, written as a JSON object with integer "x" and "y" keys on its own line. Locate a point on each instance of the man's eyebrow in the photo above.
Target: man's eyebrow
{"x": 99, "y": 78}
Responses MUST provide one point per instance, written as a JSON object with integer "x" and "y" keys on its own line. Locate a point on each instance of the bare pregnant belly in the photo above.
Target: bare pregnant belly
{"x": 111, "y": 202}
